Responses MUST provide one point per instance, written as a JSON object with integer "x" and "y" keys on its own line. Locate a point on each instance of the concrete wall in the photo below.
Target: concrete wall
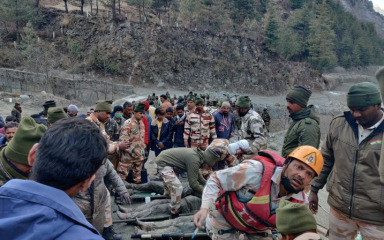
{"x": 84, "y": 90}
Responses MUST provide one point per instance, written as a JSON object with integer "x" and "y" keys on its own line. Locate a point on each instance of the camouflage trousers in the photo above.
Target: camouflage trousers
{"x": 215, "y": 222}
{"x": 172, "y": 188}
{"x": 343, "y": 228}
{"x": 136, "y": 166}
{"x": 108, "y": 211}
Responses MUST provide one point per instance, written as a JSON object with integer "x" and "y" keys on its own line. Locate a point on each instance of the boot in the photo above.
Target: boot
{"x": 110, "y": 234}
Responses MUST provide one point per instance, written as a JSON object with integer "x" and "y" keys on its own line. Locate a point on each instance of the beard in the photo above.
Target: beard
{"x": 288, "y": 186}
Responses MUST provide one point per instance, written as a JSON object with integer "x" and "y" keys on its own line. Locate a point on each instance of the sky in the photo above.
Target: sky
{"x": 378, "y": 3}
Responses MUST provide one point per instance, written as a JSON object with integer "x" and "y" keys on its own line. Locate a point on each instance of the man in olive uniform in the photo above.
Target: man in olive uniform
{"x": 304, "y": 128}
{"x": 14, "y": 156}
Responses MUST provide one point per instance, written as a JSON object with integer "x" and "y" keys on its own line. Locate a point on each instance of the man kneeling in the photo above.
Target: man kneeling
{"x": 243, "y": 199}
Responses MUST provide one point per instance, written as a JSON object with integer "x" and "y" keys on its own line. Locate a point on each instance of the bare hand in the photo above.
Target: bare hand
{"x": 125, "y": 198}
{"x": 186, "y": 144}
{"x": 200, "y": 217}
{"x": 240, "y": 154}
{"x": 161, "y": 145}
{"x": 313, "y": 202}
{"x": 124, "y": 145}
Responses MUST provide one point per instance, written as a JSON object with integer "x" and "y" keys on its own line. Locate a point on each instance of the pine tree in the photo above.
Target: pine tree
{"x": 19, "y": 12}
{"x": 289, "y": 43}
{"x": 321, "y": 40}
{"x": 272, "y": 29}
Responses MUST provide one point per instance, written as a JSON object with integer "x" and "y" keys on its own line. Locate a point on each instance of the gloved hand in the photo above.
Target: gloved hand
{"x": 125, "y": 198}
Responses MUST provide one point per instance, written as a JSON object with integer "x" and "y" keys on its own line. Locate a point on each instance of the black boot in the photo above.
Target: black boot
{"x": 110, "y": 234}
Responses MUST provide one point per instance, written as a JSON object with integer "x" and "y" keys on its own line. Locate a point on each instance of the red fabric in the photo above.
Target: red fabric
{"x": 145, "y": 121}
{"x": 146, "y": 105}
{"x": 247, "y": 216}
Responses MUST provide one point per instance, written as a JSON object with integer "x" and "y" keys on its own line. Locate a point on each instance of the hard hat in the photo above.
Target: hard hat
{"x": 310, "y": 156}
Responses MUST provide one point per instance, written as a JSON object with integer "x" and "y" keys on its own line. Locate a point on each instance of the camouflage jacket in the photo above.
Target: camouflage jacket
{"x": 134, "y": 132}
{"x": 254, "y": 131}
{"x": 92, "y": 201}
{"x": 113, "y": 147}
{"x": 199, "y": 128}
{"x": 113, "y": 129}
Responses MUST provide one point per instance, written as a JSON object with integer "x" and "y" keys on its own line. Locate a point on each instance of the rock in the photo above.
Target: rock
{"x": 43, "y": 93}
{"x": 160, "y": 84}
{"x": 24, "y": 97}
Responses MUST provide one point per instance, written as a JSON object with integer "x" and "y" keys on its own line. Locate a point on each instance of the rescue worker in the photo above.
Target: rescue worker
{"x": 179, "y": 160}
{"x": 243, "y": 199}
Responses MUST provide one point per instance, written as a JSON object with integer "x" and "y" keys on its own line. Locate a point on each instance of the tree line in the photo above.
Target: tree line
{"x": 319, "y": 32}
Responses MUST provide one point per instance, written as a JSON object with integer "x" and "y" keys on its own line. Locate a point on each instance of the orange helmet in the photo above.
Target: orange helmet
{"x": 310, "y": 156}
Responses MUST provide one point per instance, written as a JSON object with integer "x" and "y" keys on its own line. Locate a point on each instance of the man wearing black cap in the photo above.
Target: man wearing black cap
{"x": 351, "y": 161}
{"x": 304, "y": 128}
{"x": 16, "y": 112}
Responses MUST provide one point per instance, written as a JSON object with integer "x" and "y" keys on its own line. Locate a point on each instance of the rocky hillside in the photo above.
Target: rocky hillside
{"x": 154, "y": 55}
{"x": 259, "y": 46}
{"x": 364, "y": 11}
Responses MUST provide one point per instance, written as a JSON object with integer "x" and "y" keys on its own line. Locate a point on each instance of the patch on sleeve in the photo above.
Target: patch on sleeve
{"x": 375, "y": 142}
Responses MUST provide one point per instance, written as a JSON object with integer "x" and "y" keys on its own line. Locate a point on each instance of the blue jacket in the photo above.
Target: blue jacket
{"x": 30, "y": 210}
{"x": 224, "y": 125}
{"x": 178, "y": 129}
{"x": 149, "y": 124}
{"x": 165, "y": 134}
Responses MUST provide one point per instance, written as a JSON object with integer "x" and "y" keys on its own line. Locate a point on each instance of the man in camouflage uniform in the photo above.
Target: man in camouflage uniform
{"x": 96, "y": 203}
{"x": 101, "y": 114}
{"x": 179, "y": 160}
{"x": 133, "y": 131}
{"x": 266, "y": 118}
{"x": 252, "y": 127}
{"x": 190, "y": 104}
{"x": 199, "y": 127}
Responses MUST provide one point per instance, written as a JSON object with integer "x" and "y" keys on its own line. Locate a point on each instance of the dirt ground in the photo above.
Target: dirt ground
{"x": 327, "y": 104}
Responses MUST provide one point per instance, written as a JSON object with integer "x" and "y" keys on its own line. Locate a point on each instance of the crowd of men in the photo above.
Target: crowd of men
{"x": 74, "y": 162}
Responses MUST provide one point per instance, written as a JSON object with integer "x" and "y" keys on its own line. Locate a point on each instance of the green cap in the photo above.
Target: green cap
{"x": 27, "y": 134}
{"x": 104, "y": 106}
{"x": 292, "y": 218}
{"x": 199, "y": 101}
{"x": 55, "y": 113}
{"x": 243, "y": 102}
{"x": 140, "y": 107}
{"x": 363, "y": 94}
{"x": 299, "y": 95}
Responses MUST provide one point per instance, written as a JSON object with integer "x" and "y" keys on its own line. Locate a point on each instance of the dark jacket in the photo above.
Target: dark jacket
{"x": 188, "y": 160}
{"x": 165, "y": 134}
{"x": 352, "y": 171}
{"x": 304, "y": 130}
{"x": 178, "y": 129}
{"x": 37, "y": 211}
{"x": 225, "y": 124}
